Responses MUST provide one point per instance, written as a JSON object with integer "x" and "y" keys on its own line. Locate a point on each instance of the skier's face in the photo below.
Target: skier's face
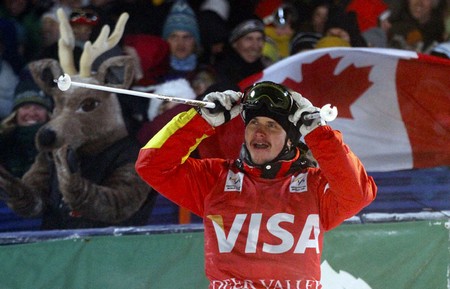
{"x": 264, "y": 138}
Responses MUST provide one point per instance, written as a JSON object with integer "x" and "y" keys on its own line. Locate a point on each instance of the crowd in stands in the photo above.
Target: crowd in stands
{"x": 189, "y": 48}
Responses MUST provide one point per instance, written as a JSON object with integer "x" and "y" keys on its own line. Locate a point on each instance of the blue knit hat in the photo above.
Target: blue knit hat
{"x": 181, "y": 17}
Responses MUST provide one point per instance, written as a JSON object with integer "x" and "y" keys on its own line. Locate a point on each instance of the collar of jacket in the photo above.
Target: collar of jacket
{"x": 273, "y": 170}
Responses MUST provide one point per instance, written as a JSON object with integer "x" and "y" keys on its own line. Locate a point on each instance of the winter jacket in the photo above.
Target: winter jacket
{"x": 232, "y": 68}
{"x": 17, "y": 149}
{"x": 259, "y": 232}
{"x": 8, "y": 83}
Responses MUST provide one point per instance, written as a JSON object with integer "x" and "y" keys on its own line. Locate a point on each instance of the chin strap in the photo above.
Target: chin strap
{"x": 286, "y": 153}
{"x": 277, "y": 167}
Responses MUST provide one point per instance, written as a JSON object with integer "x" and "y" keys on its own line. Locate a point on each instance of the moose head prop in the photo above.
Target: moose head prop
{"x": 83, "y": 175}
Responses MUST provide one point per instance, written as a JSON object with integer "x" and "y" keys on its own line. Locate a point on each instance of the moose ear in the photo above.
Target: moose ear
{"x": 116, "y": 72}
{"x": 44, "y": 73}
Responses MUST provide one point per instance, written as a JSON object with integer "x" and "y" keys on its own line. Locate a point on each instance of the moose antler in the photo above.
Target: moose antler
{"x": 66, "y": 44}
{"x": 103, "y": 43}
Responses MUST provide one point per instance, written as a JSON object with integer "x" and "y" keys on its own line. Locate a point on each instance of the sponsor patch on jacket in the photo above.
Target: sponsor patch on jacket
{"x": 299, "y": 183}
{"x": 234, "y": 182}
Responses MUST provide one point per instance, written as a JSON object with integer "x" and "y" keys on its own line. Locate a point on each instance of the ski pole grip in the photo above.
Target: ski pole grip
{"x": 217, "y": 108}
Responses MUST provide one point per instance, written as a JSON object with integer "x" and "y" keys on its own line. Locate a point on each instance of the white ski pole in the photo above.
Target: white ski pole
{"x": 327, "y": 113}
{"x": 65, "y": 82}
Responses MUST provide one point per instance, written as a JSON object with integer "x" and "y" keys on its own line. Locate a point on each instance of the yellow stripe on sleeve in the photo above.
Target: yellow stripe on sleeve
{"x": 170, "y": 128}
{"x": 192, "y": 148}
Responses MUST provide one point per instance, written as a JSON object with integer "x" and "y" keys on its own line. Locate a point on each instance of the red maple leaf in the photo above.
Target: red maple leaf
{"x": 321, "y": 85}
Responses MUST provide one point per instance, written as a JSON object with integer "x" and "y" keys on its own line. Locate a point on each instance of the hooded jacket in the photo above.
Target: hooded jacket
{"x": 258, "y": 231}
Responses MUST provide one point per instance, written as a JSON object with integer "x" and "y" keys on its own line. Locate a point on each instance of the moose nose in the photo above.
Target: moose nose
{"x": 47, "y": 137}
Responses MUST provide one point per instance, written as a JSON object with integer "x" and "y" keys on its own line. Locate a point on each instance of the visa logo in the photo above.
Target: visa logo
{"x": 309, "y": 237}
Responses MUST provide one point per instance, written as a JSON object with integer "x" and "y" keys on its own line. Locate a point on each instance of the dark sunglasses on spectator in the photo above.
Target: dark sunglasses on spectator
{"x": 82, "y": 17}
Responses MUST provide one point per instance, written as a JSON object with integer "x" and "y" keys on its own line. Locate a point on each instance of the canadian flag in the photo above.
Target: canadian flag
{"x": 394, "y": 105}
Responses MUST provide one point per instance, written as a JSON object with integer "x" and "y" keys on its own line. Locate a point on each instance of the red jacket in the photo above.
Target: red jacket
{"x": 259, "y": 233}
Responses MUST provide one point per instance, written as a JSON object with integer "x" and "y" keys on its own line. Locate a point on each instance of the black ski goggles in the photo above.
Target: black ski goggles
{"x": 274, "y": 96}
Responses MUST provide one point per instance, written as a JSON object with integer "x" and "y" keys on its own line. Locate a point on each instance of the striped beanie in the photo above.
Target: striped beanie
{"x": 181, "y": 17}
{"x": 246, "y": 27}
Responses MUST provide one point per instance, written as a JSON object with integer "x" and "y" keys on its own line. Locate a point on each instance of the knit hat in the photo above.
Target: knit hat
{"x": 28, "y": 92}
{"x": 181, "y": 17}
{"x": 264, "y": 94}
{"x": 282, "y": 120}
{"x": 303, "y": 41}
{"x": 245, "y": 28}
{"x": 292, "y": 132}
{"x": 332, "y": 41}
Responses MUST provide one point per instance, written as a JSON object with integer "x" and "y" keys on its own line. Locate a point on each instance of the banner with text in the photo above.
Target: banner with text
{"x": 407, "y": 255}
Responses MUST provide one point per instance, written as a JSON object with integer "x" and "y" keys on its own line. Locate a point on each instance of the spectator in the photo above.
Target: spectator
{"x": 243, "y": 55}
{"x": 304, "y": 41}
{"x": 267, "y": 210}
{"x": 83, "y": 174}
{"x": 331, "y": 19}
{"x": 82, "y": 25}
{"x": 10, "y": 45}
{"x": 27, "y": 27}
{"x": 328, "y": 26}
{"x": 50, "y": 30}
{"x": 181, "y": 31}
{"x": 83, "y": 21}
{"x": 343, "y": 24}
{"x": 31, "y": 110}
{"x": 417, "y": 25}
{"x": 202, "y": 80}
{"x": 151, "y": 56}
{"x": 384, "y": 21}
{"x": 213, "y": 22}
{"x": 279, "y": 30}
{"x": 377, "y": 36}
{"x": 317, "y": 18}
{"x": 8, "y": 82}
